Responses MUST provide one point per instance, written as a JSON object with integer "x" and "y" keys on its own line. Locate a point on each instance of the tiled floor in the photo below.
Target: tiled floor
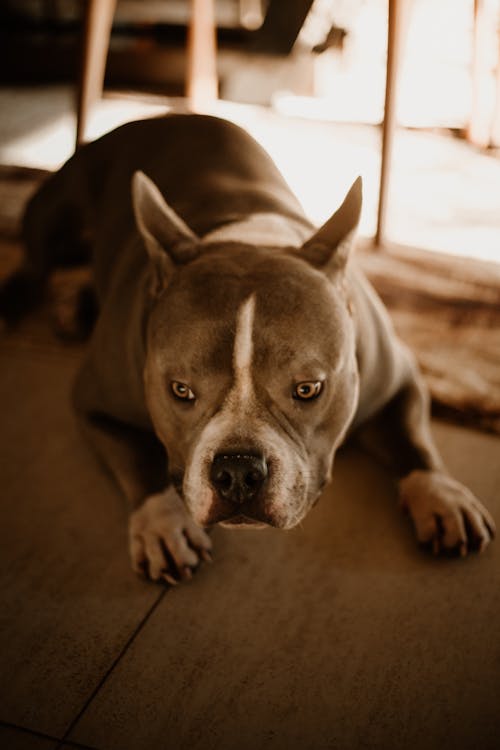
{"x": 338, "y": 634}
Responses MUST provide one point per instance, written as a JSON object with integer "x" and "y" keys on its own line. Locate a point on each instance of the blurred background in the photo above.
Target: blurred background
{"x": 306, "y": 78}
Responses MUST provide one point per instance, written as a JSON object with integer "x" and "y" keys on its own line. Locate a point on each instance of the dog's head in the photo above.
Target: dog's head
{"x": 251, "y": 378}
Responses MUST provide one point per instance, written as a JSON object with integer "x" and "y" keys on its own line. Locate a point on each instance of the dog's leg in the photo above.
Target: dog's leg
{"x": 55, "y": 234}
{"x": 164, "y": 541}
{"x": 446, "y": 515}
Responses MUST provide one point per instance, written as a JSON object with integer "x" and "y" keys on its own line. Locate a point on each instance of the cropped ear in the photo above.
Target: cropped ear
{"x": 329, "y": 248}
{"x": 169, "y": 241}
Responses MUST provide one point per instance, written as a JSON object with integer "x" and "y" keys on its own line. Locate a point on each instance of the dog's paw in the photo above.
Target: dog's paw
{"x": 445, "y": 514}
{"x": 165, "y": 543}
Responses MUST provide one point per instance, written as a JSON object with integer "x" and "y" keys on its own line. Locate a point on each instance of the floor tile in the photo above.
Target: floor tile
{"x": 18, "y": 739}
{"x": 69, "y": 600}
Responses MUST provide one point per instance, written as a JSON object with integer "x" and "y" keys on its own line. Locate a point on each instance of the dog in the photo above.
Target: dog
{"x": 235, "y": 348}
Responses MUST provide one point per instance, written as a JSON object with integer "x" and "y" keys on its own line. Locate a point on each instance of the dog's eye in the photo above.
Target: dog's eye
{"x": 182, "y": 391}
{"x": 308, "y": 391}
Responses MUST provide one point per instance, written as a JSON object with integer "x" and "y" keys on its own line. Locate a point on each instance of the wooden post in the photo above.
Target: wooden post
{"x": 201, "y": 78}
{"x": 479, "y": 129}
{"x": 495, "y": 128}
{"x": 395, "y": 28}
{"x": 97, "y": 31}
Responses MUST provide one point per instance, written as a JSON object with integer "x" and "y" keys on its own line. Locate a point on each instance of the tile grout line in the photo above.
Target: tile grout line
{"x": 42, "y": 735}
{"x": 110, "y": 669}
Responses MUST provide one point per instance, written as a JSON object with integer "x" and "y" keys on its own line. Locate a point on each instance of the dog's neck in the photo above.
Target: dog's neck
{"x": 264, "y": 229}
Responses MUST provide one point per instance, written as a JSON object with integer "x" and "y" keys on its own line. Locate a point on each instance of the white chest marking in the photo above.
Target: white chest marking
{"x": 243, "y": 350}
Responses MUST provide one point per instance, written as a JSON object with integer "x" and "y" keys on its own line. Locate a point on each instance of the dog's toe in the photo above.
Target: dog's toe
{"x": 478, "y": 531}
{"x": 198, "y": 539}
{"x": 137, "y": 555}
{"x": 155, "y": 556}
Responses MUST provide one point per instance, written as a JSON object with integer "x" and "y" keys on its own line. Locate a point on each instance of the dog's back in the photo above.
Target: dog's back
{"x": 181, "y": 154}
{"x": 84, "y": 210}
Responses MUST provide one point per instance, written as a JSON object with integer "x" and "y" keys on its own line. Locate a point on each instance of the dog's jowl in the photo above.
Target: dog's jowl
{"x": 235, "y": 346}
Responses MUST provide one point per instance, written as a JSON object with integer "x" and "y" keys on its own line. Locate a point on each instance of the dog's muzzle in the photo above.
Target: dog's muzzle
{"x": 238, "y": 478}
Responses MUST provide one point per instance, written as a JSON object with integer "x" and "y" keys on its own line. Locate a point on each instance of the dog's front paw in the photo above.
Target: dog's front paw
{"x": 165, "y": 542}
{"x": 445, "y": 514}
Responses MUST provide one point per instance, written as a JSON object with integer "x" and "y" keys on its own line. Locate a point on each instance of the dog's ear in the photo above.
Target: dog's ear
{"x": 329, "y": 248}
{"x": 169, "y": 241}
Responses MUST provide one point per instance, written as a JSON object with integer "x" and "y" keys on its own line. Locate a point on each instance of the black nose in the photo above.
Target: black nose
{"x": 238, "y": 477}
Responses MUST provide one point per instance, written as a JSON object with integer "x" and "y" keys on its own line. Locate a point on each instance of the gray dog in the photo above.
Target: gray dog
{"x": 235, "y": 347}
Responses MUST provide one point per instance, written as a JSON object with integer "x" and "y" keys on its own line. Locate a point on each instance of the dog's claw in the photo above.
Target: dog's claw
{"x": 170, "y": 579}
{"x": 206, "y": 556}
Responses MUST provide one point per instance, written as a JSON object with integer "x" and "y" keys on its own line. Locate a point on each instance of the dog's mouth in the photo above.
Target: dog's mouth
{"x": 241, "y": 522}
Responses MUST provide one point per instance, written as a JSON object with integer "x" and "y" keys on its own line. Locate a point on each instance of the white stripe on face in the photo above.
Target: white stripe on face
{"x": 243, "y": 351}
{"x": 225, "y": 423}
